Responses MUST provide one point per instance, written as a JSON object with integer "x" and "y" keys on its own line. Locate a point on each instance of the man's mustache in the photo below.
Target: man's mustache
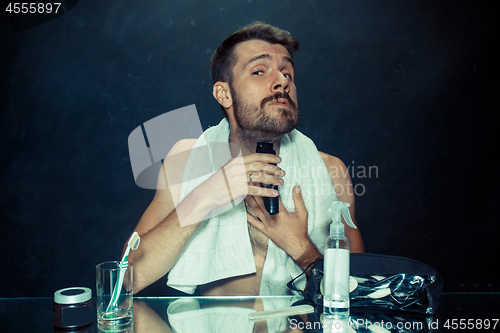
{"x": 276, "y": 96}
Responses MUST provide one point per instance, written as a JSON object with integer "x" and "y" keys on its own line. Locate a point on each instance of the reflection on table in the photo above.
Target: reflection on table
{"x": 230, "y": 314}
{"x": 198, "y": 314}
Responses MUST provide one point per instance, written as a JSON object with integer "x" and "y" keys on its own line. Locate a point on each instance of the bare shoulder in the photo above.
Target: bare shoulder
{"x": 181, "y": 146}
{"x": 175, "y": 161}
{"x": 331, "y": 160}
{"x": 342, "y": 185}
{"x": 171, "y": 171}
{"x": 336, "y": 168}
{"x": 167, "y": 186}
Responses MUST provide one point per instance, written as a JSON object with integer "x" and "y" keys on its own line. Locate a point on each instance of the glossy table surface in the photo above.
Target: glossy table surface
{"x": 456, "y": 312}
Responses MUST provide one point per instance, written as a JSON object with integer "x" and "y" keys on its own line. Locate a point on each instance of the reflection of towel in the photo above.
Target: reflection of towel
{"x": 186, "y": 315}
{"x": 220, "y": 247}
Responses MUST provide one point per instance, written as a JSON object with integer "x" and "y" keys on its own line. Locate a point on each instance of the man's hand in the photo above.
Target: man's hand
{"x": 234, "y": 177}
{"x": 229, "y": 182}
{"x": 288, "y": 230}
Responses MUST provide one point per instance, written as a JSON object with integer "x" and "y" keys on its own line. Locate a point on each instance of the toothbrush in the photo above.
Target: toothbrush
{"x": 133, "y": 244}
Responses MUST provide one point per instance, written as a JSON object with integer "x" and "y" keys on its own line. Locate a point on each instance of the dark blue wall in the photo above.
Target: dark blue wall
{"x": 408, "y": 87}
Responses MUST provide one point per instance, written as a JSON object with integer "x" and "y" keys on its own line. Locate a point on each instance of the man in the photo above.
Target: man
{"x": 253, "y": 75}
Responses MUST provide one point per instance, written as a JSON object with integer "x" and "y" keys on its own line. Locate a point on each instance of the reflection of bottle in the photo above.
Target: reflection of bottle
{"x": 336, "y": 270}
{"x": 332, "y": 325}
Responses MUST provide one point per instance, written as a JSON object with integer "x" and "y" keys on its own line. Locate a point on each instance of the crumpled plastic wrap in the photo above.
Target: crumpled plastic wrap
{"x": 403, "y": 292}
{"x": 383, "y": 283}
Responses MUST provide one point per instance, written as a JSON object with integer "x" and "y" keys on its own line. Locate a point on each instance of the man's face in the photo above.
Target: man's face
{"x": 263, "y": 89}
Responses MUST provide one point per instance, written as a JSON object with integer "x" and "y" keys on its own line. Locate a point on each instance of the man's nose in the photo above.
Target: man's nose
{"x": 281, "y": 83}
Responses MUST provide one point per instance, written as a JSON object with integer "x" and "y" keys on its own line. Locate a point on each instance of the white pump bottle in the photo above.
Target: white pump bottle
{"x": 336, "y": 264}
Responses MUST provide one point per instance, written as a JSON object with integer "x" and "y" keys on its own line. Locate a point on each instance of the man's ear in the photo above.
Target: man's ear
{"x": 222, "y": 94}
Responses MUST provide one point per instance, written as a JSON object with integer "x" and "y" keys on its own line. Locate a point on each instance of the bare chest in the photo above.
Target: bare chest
{"x": 247, "y": 285}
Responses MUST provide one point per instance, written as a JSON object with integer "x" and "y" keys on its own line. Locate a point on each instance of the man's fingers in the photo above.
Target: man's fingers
{"x": 298, "y": 200}
{"x": 251, "y": 203}
{"x": 254, "y": 209}
{"x": 266, "y": 158}
{"x": 257, "y": 177}
{"x": 264, "y": 167}
{"x": 262, "y": 191}
{"x": 255, "y": 222}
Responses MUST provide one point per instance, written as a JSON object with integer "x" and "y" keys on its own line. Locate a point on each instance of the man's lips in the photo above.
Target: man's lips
{"x": 279, "y": 99}
{"x": 281, "y": 102}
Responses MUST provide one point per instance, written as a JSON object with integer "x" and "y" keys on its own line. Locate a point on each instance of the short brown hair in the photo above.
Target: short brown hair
{"x": 224, "y": 58}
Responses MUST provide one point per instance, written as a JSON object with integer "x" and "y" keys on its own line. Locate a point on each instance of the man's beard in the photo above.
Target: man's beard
{"x": 257, "y": 123}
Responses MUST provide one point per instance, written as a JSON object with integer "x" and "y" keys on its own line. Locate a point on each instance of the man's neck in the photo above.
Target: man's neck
{"x": 248, "y": 145}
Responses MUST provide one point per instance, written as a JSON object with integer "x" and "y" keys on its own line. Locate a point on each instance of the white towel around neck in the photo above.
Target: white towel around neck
{"x": 220, "y": 247}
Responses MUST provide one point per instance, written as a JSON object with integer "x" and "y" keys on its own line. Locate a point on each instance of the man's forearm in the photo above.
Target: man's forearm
{"x": 161, "y": 246}
{"x": 309, "y": 254}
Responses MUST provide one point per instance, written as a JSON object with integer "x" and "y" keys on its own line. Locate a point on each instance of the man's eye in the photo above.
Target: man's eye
{"x": 257, "y": 73}
{"x": 288, "y": 76}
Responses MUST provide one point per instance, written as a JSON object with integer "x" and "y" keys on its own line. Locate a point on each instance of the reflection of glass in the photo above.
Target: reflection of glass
{"x": 119, "y": 316}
